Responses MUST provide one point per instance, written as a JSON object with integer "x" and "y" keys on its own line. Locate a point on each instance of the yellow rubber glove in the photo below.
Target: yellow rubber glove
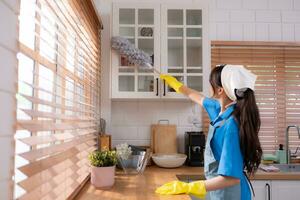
{"x": 171, "y": 81}
{"x": 196, "y": 188}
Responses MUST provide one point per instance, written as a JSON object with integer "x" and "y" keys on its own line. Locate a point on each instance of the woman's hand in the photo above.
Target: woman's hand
{"x": 171, "y": 81}
{"x": 196, "y": 188}
{"x": 194, "y": 95}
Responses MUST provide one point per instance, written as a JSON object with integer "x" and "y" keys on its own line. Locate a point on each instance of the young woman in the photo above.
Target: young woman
{"x": 232, "y": 145}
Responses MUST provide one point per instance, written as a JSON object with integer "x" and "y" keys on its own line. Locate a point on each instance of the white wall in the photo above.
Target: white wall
{"x": 248, "y": 20}
{"x": 255, "y": 20}
{"x": 8, "y": 75}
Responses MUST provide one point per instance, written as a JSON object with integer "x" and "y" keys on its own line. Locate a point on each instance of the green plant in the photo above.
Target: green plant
{"x": 103, "y": 158}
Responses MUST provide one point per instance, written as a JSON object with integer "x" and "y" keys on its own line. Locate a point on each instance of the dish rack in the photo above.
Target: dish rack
{"x": 136, "y": 162}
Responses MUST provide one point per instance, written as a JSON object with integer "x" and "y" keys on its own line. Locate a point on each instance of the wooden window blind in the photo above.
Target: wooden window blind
{"x": 277, "y": 88}
{"x": 58, "y": 99}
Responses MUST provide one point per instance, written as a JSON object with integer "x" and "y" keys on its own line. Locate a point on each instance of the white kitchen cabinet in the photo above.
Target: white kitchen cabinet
{"x": 140, "y": 24}
{"x": 276, "y": 189}
{"x": 287, "y": 190}
{"x": 262, "y": 189}
{"x": 182, "y": 50}
{"x": 175, "y": 35}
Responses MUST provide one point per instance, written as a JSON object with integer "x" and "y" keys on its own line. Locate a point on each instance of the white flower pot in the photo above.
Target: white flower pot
{"x": 103, "y": 177}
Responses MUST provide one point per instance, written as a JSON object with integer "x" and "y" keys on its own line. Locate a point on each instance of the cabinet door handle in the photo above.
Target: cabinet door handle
{"x": 268, "y": 191}
{"x": 164, "y": 88}
{"x": 156, "y": 86}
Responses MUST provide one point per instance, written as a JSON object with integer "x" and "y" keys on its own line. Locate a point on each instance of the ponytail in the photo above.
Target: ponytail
{"x": 247, "y": 115}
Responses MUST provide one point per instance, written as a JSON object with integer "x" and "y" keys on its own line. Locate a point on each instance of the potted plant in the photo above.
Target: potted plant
{"x": 103, "y": 168}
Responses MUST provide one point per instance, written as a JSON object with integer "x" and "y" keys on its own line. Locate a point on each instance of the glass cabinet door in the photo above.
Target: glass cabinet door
{"x": 182, "y": 47}
{"x": 140, "y": 25}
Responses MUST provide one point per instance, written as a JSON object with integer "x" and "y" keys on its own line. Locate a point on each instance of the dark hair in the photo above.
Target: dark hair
{"x": 247, "y": 115}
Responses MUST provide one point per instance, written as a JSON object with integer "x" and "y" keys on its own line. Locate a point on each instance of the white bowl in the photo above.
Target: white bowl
{"x": 169, "y": 160}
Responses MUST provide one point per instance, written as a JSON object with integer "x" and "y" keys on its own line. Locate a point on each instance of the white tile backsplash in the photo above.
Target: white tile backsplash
{"x": 220, "y": 16}
{"x": 267, "y": 16}
{"x": 281, "y": 4}
{"x": 229, "y": 4}
{"x": 288, "y": 32}
{"x": 297, "y": 4}
{"x": 171, "y": 117}
{"x": 249, "y": 32}
{"x": 131, "y": 142}
{"x": 146, "y": 119}
{"x": 297, "y": 32}
{"x": 213, "y": 31}
{"x": 144, "y": 132}
{"x": 262, "y": 32}
{"x": 124, "y": 106}
{"x": 124, "y": 132}
{"x": 242, "y": 16}
{"x": 223, "y": 31}
{"x": 236, "y": 31}
{"x": 134, "y": 127}
{"x": 254, "y": 14}
{"x": 177, "y": 107}
{"x": 145, "y": 106}
{"x": 291, "y": 16}
{"x": 185, "y": 120}
{"x": 275, "y": 32}
{"x": 255, "y": 4}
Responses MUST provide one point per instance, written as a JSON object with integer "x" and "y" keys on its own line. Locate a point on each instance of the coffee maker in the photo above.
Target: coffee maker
{"x": 194, "y": 148}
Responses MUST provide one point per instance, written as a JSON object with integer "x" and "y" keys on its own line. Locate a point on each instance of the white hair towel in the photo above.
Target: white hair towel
{"x": 236, "y": 77}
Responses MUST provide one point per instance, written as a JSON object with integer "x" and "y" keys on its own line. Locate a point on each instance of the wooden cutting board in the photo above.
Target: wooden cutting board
{"x": 104, "y": 142}
{"x": 163, "y": 138}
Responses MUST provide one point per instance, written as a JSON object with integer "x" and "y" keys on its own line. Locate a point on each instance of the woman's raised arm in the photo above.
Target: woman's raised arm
{"x": 194, "y": 95}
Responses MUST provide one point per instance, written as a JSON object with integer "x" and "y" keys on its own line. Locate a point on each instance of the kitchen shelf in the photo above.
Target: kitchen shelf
{"x": 127, "y": 25}
{"x": 175, "y": 38}
{"x": 145, "y": 37}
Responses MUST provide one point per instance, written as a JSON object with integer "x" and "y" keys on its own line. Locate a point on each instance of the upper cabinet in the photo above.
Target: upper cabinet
{"x": 175, "y": 36}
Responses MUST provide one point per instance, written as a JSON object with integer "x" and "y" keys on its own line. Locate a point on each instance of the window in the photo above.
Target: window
{"x": 58, "y": 97}
{"x": 277, "y": 87}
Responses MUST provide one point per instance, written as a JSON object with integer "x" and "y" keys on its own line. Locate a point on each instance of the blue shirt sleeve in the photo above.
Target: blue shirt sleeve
{"x": 212, "y": 108}
{"x": 231, "y": 160}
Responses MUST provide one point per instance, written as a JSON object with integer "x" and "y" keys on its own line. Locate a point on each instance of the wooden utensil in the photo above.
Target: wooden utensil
{"x": 104, "y": 142}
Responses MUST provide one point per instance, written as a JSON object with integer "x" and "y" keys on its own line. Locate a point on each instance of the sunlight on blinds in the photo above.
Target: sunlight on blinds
{"x": 58, "y": 100}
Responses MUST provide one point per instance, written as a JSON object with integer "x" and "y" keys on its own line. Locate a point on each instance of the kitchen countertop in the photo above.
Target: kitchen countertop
{"x": 131, "y": 187}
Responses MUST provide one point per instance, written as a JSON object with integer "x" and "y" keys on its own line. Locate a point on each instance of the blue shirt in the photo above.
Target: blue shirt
{"x": 225, "y": 144}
